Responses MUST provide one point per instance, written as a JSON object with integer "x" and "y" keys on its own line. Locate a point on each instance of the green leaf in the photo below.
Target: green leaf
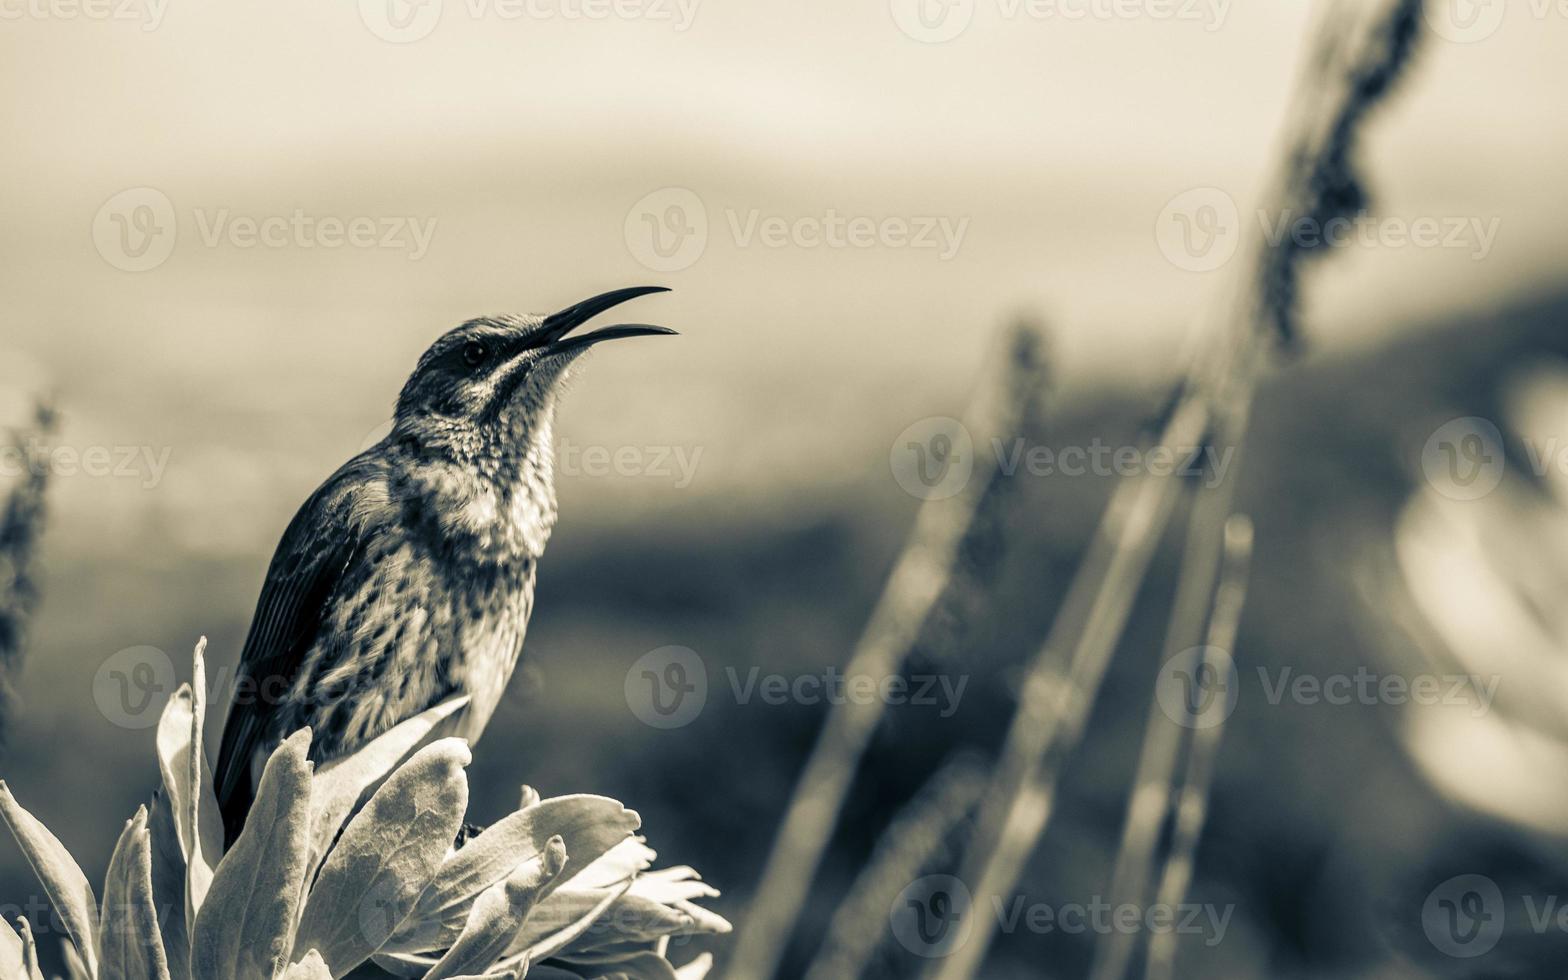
{"x": 387, "y": 855}
{"x": 129, "y": 940}
{"x": 341, "y": 785}
{"x": 245, "y": 928}
{"x": 60, "y": 876}
{"x": 498, "y": 914}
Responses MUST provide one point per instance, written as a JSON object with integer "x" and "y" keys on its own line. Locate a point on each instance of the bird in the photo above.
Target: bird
{"x": 407, "y": 578}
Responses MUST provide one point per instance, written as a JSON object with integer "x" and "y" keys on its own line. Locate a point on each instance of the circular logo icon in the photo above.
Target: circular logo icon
{"x": 667, "y": 230}
{"x": 375, "y": 435}
{"x": 1199, "y": 230}
{"x": 1465, "y": 21}
{"x": 932, "y": 21}
{"x": 135, "y": 230}
{"x": 1463, "y": 916}
{"x": 667, "y": 687}
{"x": 1463, "y": 459}
{"x": 933, "y": 916}
{"x": 400, "y": 21}
{"x": 1197, "y": 688}
{"x": 933, "y": 459}
{"x": 132, "y": 686}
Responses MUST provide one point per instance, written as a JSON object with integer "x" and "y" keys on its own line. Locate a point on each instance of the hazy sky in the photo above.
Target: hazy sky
{"x": 511, "y": 154}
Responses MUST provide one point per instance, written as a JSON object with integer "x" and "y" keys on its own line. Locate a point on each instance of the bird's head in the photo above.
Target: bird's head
{"x": 485, "y": 391}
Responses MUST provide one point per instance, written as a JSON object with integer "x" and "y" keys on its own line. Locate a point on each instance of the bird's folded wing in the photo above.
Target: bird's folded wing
{"x": 319, "y": 545}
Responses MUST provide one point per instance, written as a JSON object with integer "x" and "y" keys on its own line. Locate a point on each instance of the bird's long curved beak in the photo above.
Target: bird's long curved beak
{"x": 552, "y": 332}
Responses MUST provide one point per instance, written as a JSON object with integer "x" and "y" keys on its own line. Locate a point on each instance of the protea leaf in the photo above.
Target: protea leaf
{"x": 187, "y": 781}
{"x": 10, "y": 952}
{"x": 646, "y": 965}
{"x": 169, "y": 893}
{"x": 312, "y": 967}
{"x": 389, "y": 852}
{"x": 245, "y": 928}
{"x": 560, "y": 919}
{"x": 30, "y": 951}
{"x": 498, "y": 914}
{"x": 341, "y": 785}
{"x": 589, "y": 826}
{"x": 60, "y": 876}
{"x": 129, "y": 942}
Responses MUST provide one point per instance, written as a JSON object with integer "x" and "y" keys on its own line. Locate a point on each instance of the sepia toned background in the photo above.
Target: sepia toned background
{"x": 731, "y": 492}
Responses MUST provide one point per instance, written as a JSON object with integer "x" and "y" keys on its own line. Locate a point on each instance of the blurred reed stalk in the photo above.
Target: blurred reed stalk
{"x": 1359, "y": 50}
{"x": 1191, "y": 796}
{"x": 1165, "y": 743}
{"x": 21, "y": 524}
{"x": 1001, "y": 406}
{"x": 909, "y": 845}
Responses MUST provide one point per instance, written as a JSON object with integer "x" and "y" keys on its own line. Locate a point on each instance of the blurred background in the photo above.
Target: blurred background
{"x": 230, "y": 230}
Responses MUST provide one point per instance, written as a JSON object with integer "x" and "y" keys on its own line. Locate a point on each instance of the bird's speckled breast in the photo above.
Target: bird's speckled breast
{"x": 409, "y": 630}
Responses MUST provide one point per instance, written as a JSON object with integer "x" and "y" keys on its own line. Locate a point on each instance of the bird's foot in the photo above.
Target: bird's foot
{"x": 466, "y": 833}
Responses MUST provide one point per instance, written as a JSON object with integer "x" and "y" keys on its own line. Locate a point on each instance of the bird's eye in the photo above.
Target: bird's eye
{"x": 474, "y": 353}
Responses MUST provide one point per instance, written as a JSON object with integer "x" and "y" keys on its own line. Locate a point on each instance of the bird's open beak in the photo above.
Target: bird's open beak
{"x": 552, "y": 332}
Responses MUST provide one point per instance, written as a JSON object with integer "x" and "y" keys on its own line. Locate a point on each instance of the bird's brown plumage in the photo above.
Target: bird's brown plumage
{"x": 408, "y": 576}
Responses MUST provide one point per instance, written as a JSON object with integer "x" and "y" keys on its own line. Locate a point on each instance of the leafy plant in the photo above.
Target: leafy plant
{"x": 352, "y": 870}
